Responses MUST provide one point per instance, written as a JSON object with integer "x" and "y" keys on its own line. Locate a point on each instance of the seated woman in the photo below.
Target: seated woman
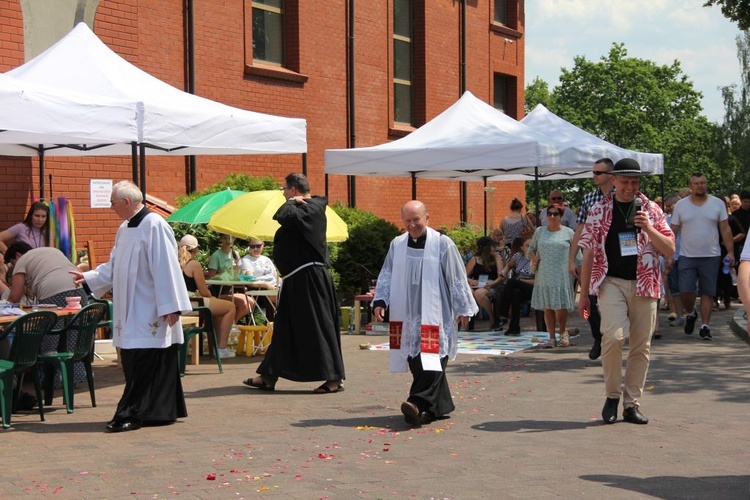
{"x": 519, "y": 287}
{"x": 224, "y": 260}
{"x": 34, "y": 229}
{"x": 223, "y": 311}
{"x": 258, "y": 265}
{"x": 482, "y": 272}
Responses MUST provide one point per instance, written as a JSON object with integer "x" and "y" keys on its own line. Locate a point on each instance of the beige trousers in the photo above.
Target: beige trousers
{"x": 625, "y": 316}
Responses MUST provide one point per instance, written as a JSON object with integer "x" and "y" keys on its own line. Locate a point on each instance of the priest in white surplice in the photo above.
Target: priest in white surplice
{"x": 149, "y": 295}
{"x": 424, "y": 287}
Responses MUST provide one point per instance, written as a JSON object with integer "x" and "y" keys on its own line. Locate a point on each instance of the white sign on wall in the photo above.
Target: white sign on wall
{"x": 101, "y": 189}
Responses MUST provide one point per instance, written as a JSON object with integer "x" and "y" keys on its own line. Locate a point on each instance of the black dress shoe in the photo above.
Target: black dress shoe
{"x": 126, "y": 425}
{"x": 634, "y": 416}
{"x": 609, "y": 412}
{"x": 596, "y": 350}
{"x": 411, "y": 413}
{"x": 426, "y": 418}
{"x": 513, "y": 331}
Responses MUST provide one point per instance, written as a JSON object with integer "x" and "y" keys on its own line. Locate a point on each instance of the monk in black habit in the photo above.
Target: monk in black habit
{"x": 306, "y": 343}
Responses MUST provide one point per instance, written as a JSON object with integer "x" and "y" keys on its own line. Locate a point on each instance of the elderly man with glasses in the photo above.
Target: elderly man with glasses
{"x": 569, "y": 216}
{"x": 621, "y": 240}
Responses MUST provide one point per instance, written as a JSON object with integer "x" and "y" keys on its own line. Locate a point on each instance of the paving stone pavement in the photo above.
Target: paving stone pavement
{"x": 525, "y": 426}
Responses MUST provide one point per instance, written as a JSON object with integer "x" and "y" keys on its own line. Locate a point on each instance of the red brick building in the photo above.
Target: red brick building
{"x": 292, "y": 58}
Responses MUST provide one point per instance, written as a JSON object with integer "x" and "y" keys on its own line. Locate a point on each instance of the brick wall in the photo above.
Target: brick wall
{"x": 151, "y": 36}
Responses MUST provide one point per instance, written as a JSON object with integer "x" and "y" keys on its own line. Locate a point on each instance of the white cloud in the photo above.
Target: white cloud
{"x": 660, "y": 30}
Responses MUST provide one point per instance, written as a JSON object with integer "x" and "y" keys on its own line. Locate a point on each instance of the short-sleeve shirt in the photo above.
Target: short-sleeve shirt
{"x": 221, "y": 262}
{"x": 698, "y": 226}
{"x": 261, "y": 267}
{"x": 30, "y": 235}
{"x": 47, "y": 272}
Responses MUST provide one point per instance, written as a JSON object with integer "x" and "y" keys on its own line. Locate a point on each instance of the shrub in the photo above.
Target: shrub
{"x": 465, "y": 237}
{"x": 360, "y": 258}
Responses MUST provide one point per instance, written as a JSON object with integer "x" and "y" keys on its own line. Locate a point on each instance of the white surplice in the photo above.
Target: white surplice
{"x": 147, "y": 284}
{"x": 456, "y": 298}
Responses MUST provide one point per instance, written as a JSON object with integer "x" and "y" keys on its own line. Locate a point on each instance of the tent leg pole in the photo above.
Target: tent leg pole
{"x": 134, "y": 161}
{"x": 41, "y": 172}
{"x": 143, "y": 170}
{"x": 536, "y": 195}
{"x": 484, "y": 193}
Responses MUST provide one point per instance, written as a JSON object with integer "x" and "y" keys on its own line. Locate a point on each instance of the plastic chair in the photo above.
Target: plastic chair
{"x": 85, "y": 322}
{"x": 206, "y": 326}
{"x": 106, "y": 321}
{"x": 28, "y": 332}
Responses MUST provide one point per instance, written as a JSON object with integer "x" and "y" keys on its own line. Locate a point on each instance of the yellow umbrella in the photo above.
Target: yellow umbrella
{"x": 252, "y": 215}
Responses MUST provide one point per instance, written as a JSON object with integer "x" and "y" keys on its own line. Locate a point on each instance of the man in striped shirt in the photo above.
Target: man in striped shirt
{"x": 604, "y": 181}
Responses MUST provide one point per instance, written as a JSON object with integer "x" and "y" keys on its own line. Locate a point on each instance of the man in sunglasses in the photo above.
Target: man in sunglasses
{"x": 604, "y": 181}
{"x": 621, "y": 239}
{"x": 569, "y": 216}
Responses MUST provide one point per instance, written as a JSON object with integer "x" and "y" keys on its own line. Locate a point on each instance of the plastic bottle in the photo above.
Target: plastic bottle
{"x": 726, "y": 268}
{"x": 733, "y": 274}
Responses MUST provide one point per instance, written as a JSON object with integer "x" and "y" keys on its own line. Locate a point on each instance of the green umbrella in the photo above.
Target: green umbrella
{"x": 199, "y": 211}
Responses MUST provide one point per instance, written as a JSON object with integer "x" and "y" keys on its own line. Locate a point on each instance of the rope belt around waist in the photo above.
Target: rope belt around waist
{"x": 302, "y": 267}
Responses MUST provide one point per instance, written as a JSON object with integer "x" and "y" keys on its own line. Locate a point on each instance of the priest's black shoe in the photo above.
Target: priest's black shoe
{"x": 411, "y": 413}
{"x": 634, "y": 416}
{"x": 609, "y": 412}
{"x": 129, "y": 424}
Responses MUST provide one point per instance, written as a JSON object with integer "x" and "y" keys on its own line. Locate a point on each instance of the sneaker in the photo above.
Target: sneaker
{"x": 679, "y": 321}
{"x": 705, "y": 333}
{"x": 690, "y": 322}
{"x": 226, "y": 353}
{"x": 671, "y": 319}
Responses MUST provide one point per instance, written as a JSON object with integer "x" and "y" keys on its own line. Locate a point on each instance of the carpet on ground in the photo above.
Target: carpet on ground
{"x": 490, "y": 343}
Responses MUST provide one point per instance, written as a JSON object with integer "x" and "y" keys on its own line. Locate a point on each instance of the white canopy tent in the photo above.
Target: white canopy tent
{"x": 469, "y": 141}
{"x": 580, "y": 149}
{"x": 35, "y": 118}
{"x": 170, "y": 121}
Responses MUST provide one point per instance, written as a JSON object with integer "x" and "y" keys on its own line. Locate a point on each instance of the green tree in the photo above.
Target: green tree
{"x": 735, "y": 132}
{"x": 537, "y": 92}
{"x": 735, "y": 10}
{"x": 358, "y": 260}
{"x": 636, "y": 104}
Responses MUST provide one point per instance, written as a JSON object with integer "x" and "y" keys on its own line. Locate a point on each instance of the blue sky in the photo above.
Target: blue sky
{"x": 701, "y": 38}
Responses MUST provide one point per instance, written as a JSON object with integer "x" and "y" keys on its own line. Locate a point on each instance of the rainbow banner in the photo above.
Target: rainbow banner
{"x": 62, "y": 227}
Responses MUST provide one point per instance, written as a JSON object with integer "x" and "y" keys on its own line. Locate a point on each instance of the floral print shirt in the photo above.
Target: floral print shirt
{"x": 594, "y": 236}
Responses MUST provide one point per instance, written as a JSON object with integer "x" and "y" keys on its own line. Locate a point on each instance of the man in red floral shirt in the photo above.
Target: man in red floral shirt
{"x": 621, "y": 246}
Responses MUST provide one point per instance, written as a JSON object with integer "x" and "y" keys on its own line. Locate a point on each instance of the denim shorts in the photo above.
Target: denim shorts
{"x": 701, "y": 270}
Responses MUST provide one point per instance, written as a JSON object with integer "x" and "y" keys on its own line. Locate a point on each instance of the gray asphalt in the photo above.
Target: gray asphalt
{"x": 525, "y": 426}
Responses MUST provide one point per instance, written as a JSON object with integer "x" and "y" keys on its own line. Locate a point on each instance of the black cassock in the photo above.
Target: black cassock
{"x": 306, "y": 343}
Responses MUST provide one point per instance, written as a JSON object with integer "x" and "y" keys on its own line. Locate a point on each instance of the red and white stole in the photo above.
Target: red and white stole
{"x": 401, "y": 279}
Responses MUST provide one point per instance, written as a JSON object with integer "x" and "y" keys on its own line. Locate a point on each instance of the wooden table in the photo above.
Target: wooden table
{"x": 195, "y": 356}
{"x": 60, "y": 311}
{"x": 358, "y": 299}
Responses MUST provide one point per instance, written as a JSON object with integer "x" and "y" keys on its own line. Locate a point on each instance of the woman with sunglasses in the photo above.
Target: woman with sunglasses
{"x": 259, "y": 266}
{"x": 553, "y": 286}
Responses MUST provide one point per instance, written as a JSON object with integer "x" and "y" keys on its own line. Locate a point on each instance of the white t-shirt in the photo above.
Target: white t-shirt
{"x": 262, "y": 268}
{"x": 699, "y": 226}
{"x": 745, "y": 252}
